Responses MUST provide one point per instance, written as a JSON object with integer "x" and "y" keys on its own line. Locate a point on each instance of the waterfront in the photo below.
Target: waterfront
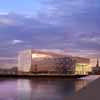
{"x": 40, "y": 89}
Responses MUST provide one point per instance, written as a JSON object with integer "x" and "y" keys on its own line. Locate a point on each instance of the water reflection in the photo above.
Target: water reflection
{"x": 48, "y": 89}
{"x": 8, "y": 89}
{"x": 40, "y": 89}
{"x": 79, "y": 84}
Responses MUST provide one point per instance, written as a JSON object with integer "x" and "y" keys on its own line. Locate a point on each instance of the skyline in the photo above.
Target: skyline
{"x": 70, "y": 26}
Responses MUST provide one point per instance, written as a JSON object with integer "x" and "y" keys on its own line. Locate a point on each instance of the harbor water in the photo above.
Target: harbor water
{"x": 41, "y": 89}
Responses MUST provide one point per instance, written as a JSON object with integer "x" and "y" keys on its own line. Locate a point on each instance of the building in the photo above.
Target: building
{"x": 96, "y": 70}
{"x": 10, "y": 71}
{"x": 45, "y": 62}
{"x": 37, "y": 61}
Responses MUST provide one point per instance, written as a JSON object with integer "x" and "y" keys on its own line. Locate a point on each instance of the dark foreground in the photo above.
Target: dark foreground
{"x": 63, "y": 76}
{"x": 39, "y": 89}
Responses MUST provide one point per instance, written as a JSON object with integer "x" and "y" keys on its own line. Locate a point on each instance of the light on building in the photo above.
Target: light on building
{"x": 40, "y": 56}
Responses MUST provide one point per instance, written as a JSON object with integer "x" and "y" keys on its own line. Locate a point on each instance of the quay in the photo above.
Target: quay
{"x": 42, "y": 76}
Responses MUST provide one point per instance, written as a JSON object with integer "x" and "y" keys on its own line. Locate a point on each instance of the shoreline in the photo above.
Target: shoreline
{"x": 44, "y": 76}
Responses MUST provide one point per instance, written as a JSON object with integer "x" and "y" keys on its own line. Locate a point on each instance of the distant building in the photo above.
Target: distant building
{"x": 96, "y": 70}
{"x": 11, "y": 71}
{"x": 38, "y": 61}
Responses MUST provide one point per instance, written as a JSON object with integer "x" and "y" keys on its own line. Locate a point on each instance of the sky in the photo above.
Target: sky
{"x": 70, "y": 26}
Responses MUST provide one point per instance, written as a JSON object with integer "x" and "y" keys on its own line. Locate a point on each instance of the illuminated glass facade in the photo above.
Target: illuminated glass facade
{"x": 82, "y": 68}
{"x": 82, "y": 65}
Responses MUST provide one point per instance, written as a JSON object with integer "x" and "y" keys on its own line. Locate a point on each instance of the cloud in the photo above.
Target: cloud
{"x": 7, "y": 58}
{"x": 65, "y": 24}
{"x": 17, "y": 42}
{"x": 3, "y": 13}
{"x": 88, "y": 41}
{"x": 6, "y": 21}
{"x": 95, "y": 40}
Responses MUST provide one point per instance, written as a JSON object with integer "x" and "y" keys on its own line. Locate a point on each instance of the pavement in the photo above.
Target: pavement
{"x": 90, "y": 92}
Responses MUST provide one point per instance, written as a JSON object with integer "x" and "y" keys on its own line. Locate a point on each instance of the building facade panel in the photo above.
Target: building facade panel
{"x": 24, "y": 61}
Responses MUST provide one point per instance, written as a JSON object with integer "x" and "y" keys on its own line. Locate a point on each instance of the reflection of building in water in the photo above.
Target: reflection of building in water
{"x": 79, "y": 84}
{"x": 48, "y": 89}
{"x": 52, "y": 88}
{"x": 37, "y": 61}
{"x": 24, "y": 90}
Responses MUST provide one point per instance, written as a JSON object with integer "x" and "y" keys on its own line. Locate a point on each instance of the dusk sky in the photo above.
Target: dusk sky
{"x": 72, "y": 26}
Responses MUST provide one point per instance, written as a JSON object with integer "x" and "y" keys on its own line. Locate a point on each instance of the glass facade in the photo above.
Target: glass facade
{"x": 35, "y": 61}
{"x": 49, "y": 63}
{"x": 82, "y": 68}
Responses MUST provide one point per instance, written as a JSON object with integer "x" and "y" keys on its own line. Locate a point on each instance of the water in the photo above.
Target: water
{"x": 39, "y": 89}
